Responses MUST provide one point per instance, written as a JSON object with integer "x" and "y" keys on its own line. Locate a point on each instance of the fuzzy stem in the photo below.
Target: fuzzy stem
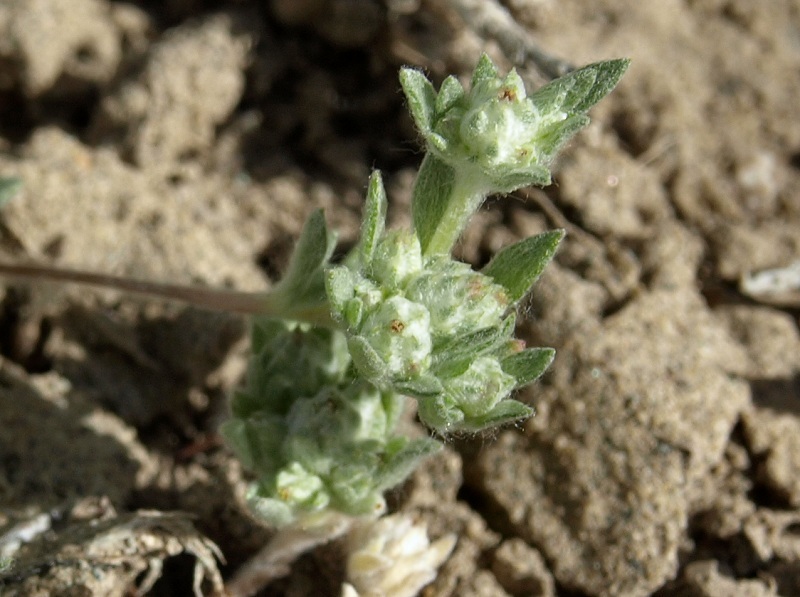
{"x": 444, "y": 201}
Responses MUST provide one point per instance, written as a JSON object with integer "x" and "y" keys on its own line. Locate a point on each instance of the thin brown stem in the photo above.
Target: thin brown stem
{"x": 208, "y": 298}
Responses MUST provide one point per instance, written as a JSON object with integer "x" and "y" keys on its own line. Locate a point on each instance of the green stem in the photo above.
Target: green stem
{"x": 444, "y": 201}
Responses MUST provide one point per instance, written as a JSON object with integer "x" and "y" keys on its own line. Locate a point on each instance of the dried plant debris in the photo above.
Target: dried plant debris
{"x": 111, "y": 556}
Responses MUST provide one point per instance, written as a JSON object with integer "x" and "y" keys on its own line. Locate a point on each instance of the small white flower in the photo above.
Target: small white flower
{"x": 393, "y": 557}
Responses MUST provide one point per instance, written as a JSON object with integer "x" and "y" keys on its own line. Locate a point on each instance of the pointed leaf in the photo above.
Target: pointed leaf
{"x": 579, "y": 90}
{"x": 608, "y": 74}
{"x": 506, "y": 411}
{"x": 517, "y": 266}
{"x": 403, "y": 462}
{"x": 578, "y": 85}
{"x": 354, "y": 312}
{"x": 557, "y": 134}
{"x": 529, "y": 364}
{"x": 450, "y": 93}
{"x": 437, "y": 142}
{"x": 313, "y": 247}
{"x": 564, "y": 93}
{"x": 453, "y": 357}
{"x": 484, "y": 71}
{"x": 373, "y": 218}
{"x": 536, "y": 174}
{"x": 421, "y": 387}
{"x": 304, "y": 281}
{"x": 421, "y": 97}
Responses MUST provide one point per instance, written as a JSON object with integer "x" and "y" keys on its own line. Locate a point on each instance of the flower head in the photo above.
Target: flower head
{"x": 434, "y": 328}
{"x": 502, "y": 137}
{"x": 334, "y": 447}
{"x": 393, "y": 557}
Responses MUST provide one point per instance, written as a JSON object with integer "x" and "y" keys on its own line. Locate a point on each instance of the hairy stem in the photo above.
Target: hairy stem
{"x": 444, "y": 201}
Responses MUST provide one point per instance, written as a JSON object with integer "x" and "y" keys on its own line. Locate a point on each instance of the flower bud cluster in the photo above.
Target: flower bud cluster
{"x": 431, "y": 328}
{"x": 317, "y": 440}
{"x": 496, "y": 129}
{"x": 494, "y": 126}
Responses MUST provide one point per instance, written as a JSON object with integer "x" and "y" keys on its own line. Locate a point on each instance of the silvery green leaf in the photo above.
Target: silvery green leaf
{"x": 529, "y": 364}
{"x": 430, "y": 201}
{"x": 340, "y": 285}
{"x": 438, "y": 142}
{"x": 440, "y": 413}
{"x": 453, "y": 357}
{"x": 609, "y": 73}
{"x": 256, "y": 442}
{"x": 280, "y": 349}
{"x": 352, "y": 484}
{"x": 517, "y": 266}
{"x": 553, "y": 136}
{"x": 420, "y": 387}
{"x": 393, "y": 406}
{"x": 507, "y": 411}
{"x": 369, "y": 363}
{"x": 311, "y": 254}
{"x": 581, "y": 89}
{"x": 450, "y": 93}
{"x": 565, "y": 93}
{"x": 354, "y": 313}
{"x": 485, "y": 71}
{"x": 421, "y": 97}
{"x": 403, "y": 456}
{"x": 508, "y": 182}
{"x": 373, "y": 218}
{"x": 303, "y": 285}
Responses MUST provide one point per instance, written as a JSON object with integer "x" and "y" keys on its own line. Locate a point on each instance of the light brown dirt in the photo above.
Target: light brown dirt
{"x": 170, "y": 141}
